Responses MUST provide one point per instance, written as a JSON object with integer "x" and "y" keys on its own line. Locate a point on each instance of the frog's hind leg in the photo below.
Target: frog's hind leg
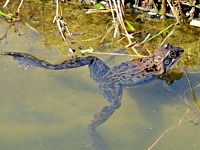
{"x": 27, "y": 60}
{"x": 97, "y": 69}
{"x": 96, "y": 66}
{"x": 113, "y": 94}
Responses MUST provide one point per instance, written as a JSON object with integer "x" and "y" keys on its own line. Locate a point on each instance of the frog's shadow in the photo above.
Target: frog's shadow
{"x": 151, "y": 99}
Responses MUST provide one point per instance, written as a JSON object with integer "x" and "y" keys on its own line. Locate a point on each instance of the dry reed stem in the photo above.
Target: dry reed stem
{"x": 91, "y": 11}
{"x": 175, "y": 12}
{"x": 111, "y": 8}
{"x": 6, "y": 3}
{"x": 18, "y": 9}
{"x": 61, "y": 24}
{"x": 119, "y": 13}
{"x": 189, "y": 108}
{"x": 108, "y": 31}
{"x": 134, "y": 45}
{"x": 114, "y": 54}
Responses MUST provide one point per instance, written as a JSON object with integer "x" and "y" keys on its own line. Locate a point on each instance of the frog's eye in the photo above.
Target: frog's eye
{"x": 172, "y": 54}
{"x": 166, "y": 62}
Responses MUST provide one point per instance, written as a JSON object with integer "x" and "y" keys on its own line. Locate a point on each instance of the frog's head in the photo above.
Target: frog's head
{"x": 165, "y": 58}
{"x": 173, "y": 56}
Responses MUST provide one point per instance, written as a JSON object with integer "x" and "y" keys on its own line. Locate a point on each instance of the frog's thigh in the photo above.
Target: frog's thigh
{"x": 98, "y": 69}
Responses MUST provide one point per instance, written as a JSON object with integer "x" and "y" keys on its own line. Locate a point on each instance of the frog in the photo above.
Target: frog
{"x": 112, "y": 81}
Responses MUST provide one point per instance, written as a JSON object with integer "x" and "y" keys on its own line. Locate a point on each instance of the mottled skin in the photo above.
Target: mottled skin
{"x": 112, "y": 81}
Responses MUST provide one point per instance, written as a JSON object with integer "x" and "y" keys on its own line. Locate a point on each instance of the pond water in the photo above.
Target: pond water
{"x": 50, "y": 110}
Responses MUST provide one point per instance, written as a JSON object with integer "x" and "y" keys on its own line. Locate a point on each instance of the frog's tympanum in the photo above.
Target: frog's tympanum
{"x": 112, "y": 81}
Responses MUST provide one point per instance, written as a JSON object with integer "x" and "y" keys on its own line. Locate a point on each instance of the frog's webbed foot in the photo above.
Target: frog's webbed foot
{"x": 113, "y": 93}
{"x": 102, "y": 116}
{"x": 97, "y": 142}
{"x": 24, "y": 60}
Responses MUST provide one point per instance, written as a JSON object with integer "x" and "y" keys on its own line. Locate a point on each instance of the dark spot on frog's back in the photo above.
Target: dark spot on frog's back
{"x": 154, "y": 66}
{"x": 133, "y": 74}
{"x": 139, "y": 59}
{"x": 148, "y": 70}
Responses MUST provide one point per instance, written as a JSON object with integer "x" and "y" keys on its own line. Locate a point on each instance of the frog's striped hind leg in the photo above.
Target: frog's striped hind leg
{"x": 113, "y": 94}
{"x": 97, "y": 67}
{"x": 27, "y": 60}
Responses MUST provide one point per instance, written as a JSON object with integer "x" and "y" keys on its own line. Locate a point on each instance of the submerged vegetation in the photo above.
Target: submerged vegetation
{"x": 118, "y": 14}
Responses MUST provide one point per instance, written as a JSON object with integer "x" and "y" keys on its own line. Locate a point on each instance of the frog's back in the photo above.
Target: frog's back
{"x": 128, "y": 74}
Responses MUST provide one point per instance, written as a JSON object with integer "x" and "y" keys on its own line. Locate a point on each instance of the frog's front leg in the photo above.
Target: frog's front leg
{"x": 112, "y": 92}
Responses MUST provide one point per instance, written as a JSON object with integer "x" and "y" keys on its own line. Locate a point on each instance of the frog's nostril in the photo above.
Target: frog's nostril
{"x": 179, "y": 49}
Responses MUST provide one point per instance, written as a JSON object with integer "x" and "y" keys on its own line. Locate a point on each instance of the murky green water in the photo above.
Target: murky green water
{"x": 50, "y": 110}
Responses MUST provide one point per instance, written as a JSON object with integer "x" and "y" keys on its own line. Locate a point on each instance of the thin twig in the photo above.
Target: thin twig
{"x": 18, "y": 9}
{"x": 111, "y": 8}
{"x": 171, "y": 32}
{"x": 108, "y": 31}
{"x": 6, "y": 3}
{"x": 168, "y": 130}
{"x": 115, "y": 54}
{"x": 5, "y": 34}
{"x": 196, "y": 101}
{"x": 92, "y": 11}
{"x": 61, "y": 24}
{"x": 119, "y": 22}
{"x": 134, "y": 45}
{"x": 175, "y": 12}
{"x": 171, "y": 25}
{"x": 92, "y": 39}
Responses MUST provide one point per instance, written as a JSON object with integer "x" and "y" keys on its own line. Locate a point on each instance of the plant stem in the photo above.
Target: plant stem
{"x": 5, "y": 15}
{"x": 171, "y": 25}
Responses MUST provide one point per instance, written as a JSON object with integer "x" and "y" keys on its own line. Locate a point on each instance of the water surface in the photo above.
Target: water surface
{"x": 48, "y": 110}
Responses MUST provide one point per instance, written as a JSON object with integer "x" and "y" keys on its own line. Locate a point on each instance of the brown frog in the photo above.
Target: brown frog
{"x": 112, "y": 81}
